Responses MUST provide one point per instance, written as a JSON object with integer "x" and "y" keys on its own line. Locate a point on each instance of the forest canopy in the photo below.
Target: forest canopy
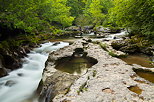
{"x": 43, "y": 15}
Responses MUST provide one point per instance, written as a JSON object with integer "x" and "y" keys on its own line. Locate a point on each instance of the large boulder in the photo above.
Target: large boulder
{"x": 119, "y": 44}
{"x": 133, "y": 45}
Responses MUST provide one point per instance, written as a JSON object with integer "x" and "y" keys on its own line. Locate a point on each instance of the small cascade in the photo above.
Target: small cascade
{"x": 117, "y": 36}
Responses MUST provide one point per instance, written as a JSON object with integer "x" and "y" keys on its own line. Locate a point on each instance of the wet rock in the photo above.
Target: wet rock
{"x": 10, "y": 62}
{"x": 58, "y": 83}
{"x": 3, "y": 72}
{"x": 20, "y": 74}
{"x": 56, "y": 43}
{"x": 133, "y": 45}
{"x": 10, "y": 83}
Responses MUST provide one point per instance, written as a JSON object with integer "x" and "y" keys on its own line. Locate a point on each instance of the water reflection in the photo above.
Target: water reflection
{"x": 75, "y": 65}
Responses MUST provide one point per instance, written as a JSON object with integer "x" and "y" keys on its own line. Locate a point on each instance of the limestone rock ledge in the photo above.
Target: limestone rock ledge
{"x": 106, "y": 81}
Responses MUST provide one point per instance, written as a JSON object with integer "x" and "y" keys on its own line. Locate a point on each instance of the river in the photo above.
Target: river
{"x": 20, "y": 85}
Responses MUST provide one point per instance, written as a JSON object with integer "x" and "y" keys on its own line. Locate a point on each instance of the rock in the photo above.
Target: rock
{"x": 119, "y": 44}
{"x": 20, "y": 74}
{"x": 56, "y": 43}
{"x": 108, "y": 30}
{"x": 3, "y": 72}
{"x": 58, "y": 83}
{"x": 130, "y": 49}
{"x": 102, "y": 29}
{"x": 106, "y": 81}
{"x": 147, "y": 51}
{"x": 1, "y": 64}
{"x": 10, "y": 83}
{"x": 130, "y": 46}
{"x": 72, "y": 28}
{"x": 108, "y": 90}
{"x": 78, "y": 36}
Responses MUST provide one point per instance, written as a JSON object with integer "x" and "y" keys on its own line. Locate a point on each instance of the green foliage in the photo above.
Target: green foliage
{"x": 103, "y": 46}
{"x": 77, "y": 7}
{"x": 93, "y": 10}
{"x": 152, "y": 63}
{"x": 141, "y": 42}
{"x": 137, "y": 15}
{"x": 113, "y": 54}
{"x": 34, "y": 15}
{"x": 83, "y": 20}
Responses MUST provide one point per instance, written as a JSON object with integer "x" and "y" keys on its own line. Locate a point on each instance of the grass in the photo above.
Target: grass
{"x": 103, "y": 46}
{"x": 111, "y": 53}
{"x": 82, "y": 88}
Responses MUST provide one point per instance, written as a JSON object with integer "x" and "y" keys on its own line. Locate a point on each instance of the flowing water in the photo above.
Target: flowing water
{"x": 20, "y": 85}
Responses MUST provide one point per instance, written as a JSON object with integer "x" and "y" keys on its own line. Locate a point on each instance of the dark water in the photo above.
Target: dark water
{"x": 146, "y": 75}
{"x": 135, "y": 89}
{"x": 144, "y": 61}
{"x": 75, "y": 65}
{"x": 139, "y": 59}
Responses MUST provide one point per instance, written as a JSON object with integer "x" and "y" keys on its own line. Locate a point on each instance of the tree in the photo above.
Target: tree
{"x": 138, "y": 15}
{"x": 77, "y": 7}
{"x": 94, "y": 10}
{"x": 34, "y": 15}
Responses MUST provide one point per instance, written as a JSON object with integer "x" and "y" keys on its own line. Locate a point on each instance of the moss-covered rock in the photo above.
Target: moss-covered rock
{"x": 133, "y": 45}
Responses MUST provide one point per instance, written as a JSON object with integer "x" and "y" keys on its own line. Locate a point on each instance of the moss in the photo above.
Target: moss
{"x": 94, "y": 73}
{"x": 103, "y": 46}
{"x": 113, "y": 54}
{"x": 152, "y": 63}
{"x": 82, "y": 88}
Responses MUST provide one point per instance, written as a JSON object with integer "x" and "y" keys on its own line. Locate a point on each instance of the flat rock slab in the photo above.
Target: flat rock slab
{"x": 106, "y": 81}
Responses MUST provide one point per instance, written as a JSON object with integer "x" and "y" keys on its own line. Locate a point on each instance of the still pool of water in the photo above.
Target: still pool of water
{"x": 135, "y": 89}
{"x": 146, "y": 75}
{"x": 139, "y": 59}
{"x": 75, "y": 65}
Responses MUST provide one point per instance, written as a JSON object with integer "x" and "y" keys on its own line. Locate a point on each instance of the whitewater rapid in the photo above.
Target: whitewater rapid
{"x": 22, "y": 83}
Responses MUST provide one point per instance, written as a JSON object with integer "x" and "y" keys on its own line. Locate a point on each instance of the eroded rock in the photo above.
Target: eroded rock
{"x": 110, "y": 75}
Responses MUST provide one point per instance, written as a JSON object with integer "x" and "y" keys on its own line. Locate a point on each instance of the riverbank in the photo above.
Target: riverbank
{"x": 12, "y": 50}
{"x": 110, "y": 79}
